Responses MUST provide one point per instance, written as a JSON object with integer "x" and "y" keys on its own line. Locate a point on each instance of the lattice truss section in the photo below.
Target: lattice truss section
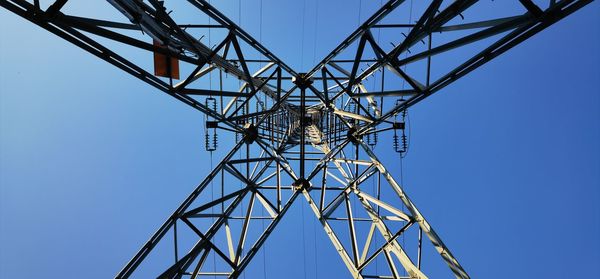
{"x": 299, "y": 136}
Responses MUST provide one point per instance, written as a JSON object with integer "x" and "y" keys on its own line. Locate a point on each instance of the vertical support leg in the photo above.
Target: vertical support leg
{"x": 333, "y": 237}
{"x": 441, "y": 248}
{"x": 159, "y": 234}
{"x": 302, "y": 130}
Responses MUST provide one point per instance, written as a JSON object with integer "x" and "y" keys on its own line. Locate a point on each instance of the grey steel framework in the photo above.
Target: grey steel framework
{"x": 278, "y": 113}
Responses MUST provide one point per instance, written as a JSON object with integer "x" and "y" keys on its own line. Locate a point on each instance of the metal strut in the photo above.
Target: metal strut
{"x": 311, "y": 126}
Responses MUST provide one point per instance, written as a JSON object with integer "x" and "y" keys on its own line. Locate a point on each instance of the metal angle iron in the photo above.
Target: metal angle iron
{"x": 299, "y": 135}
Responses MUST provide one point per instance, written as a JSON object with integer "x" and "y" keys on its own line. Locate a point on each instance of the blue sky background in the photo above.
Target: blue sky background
{"x": 504, "y": 163}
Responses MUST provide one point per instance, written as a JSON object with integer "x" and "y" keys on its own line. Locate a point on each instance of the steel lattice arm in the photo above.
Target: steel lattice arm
{"x": 321, "y": 124}
{"x": 500, "y": 34}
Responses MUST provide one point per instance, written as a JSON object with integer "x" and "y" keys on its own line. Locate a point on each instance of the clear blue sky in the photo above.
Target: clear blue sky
{"x": 505, "y": 163}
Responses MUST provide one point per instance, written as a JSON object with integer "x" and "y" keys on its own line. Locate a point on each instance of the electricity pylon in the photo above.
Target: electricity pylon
{"x": 277, "y": 114}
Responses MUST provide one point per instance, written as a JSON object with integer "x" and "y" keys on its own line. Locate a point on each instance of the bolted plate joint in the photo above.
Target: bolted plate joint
{"x": 399, "y": 125}
{"x": 302, "y": 81}
{"x": 250, "y": 133}
{"x": 301, "y": 184}
{"x": 353, "y": 136}
{"x": 212, "y": 124}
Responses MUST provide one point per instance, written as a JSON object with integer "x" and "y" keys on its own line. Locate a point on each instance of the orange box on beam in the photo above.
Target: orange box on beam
{"x": 163, "y": 66}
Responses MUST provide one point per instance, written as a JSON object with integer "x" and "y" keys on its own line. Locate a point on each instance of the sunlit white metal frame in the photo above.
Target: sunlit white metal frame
{"x": 312, "y": 113}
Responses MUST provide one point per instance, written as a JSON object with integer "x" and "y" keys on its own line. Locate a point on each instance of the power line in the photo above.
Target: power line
{"x": 316, "y": 30}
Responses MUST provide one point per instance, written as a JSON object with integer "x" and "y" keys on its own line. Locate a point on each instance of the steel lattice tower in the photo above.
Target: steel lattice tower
{"x": 299, "y": 135}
